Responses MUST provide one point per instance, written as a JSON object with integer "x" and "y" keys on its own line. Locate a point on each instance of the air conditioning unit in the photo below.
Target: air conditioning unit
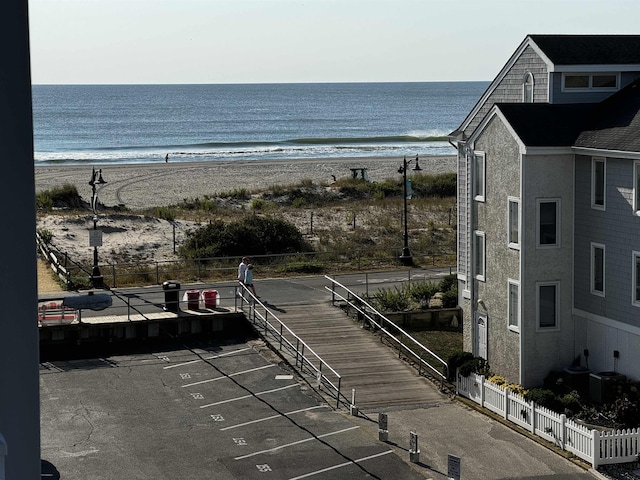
{"x": 603, "y": 386}
{"x": 576, "y": 378}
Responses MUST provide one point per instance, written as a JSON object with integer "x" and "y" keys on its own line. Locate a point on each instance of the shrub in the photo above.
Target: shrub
{"x": 543, "y": 397}
{"x": 166, "y": 213}
{"x": 257, "y": 204}
{"x": 423, "y": 291}
{"x": 477, "y": 365}
{"x": 498, "y": 380}
{"x": 450, "y": 299}
{"x": 454, "y": 361}
{"x": 45, "y": 235}
{"x": 389, "y": 300}
{"x": 570, "y": 403}
{"x": 251, "y": 235}
{"x": 66, "y": 196}
{"x": 449, "y": 282}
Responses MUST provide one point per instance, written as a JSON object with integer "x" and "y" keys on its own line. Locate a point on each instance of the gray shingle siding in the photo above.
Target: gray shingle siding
{"x": 618, "y": 229}
{"x": 510, "y": 88}
{"x": 502, "y": 263}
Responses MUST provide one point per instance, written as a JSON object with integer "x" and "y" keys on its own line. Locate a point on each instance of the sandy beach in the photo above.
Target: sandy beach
{"x": 128, "y": 235}
{"x": 143, "y": 185}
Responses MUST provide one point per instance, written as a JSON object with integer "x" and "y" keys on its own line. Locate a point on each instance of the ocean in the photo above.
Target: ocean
{"x": 128, "y": 124}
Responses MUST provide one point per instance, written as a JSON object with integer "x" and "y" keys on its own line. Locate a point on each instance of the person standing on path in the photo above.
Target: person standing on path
{"x": 242, "y": 268}
{"x": 248, "y": 279}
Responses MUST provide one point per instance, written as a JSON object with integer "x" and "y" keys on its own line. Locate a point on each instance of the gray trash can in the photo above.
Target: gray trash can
{"x": 171, "y": 296}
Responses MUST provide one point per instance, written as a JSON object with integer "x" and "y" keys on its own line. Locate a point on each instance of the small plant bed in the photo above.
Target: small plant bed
{"x": 621, "y": 409}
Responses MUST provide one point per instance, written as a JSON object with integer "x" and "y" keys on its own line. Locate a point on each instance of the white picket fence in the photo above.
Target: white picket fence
{"x": 593, "y": 446}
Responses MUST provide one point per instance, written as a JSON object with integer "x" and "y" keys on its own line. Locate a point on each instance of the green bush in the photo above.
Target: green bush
{"x": 450, "y": 299}
{"x": 477, "y": 365}
{"x": 257, "y": 204}
{"x": 251, "y": 235}
{"x": 389, "y": 300}
{"x": 449, "y": 282}
{"x": 45, "y": 235}
{"x": 66, "y": 196}
{"x": 423, "y": 291}
{"x": 166, "y": 213}
{"x": 454, "y": 361}
{"x": 543, "y": 397}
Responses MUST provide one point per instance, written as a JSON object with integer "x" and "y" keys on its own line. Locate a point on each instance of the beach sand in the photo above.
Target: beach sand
{"x": 129, "y": 236}
{"x": 145, "y": 185}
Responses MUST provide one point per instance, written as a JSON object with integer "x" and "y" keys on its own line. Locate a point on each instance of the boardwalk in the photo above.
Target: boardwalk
{"x": 382, "y": 381}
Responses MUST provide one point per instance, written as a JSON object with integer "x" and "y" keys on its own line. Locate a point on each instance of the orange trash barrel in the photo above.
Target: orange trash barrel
{"x": 211, "y": 299}
{"x": 193, "y": 299}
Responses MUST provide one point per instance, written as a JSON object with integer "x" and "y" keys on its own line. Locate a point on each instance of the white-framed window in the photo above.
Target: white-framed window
{"x": 598, "y": 183}
{"x": 597, "y": 269}
{"x": 635, "y": 299}
{"x": 590, "y": 81}
{"x": 636, "y": 187}
{"x": 548, "y": 224}
{"x": 513, "y": 222}
{"x": 479, "y": 176}
{"x": 513, "y": 313}
{"x": 547, "y": 305}
{"x": 479, "y": 254}
{"x": 527, "y": 88}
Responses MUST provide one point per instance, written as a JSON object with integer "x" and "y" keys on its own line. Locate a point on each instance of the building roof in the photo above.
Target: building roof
{"x": 617, "y": 51}
{"x": 614, "y": 124}
{"x": 590, "y": 49}
{"x": 544, "y": 124}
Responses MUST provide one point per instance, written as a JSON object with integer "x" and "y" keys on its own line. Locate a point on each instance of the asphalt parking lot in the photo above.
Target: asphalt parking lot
{"x": 200, "y": 411}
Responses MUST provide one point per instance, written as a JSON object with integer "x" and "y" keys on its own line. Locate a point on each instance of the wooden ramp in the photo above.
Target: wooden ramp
{"x": 382, "y": 381}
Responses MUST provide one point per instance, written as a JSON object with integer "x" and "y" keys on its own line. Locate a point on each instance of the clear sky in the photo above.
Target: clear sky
{"x": 267, "y": 41}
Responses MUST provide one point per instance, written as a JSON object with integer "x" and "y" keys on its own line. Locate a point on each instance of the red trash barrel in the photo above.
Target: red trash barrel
{"x": 193, "y": 299}
{"x": 211, "y": 299}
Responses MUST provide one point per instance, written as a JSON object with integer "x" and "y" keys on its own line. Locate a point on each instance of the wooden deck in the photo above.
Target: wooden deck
{"x": 382, "y": 381}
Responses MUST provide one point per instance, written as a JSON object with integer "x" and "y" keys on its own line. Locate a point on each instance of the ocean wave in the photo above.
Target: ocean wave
{"x": 337, "y": 142}
{"x": 245, "y": 151}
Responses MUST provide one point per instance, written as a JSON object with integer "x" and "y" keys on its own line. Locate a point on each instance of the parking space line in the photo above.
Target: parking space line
{"x": 259, "y": 394}
{"x": 340, "y": 465}
{"x": 207, "y": 358}
{"x": 272, "y": 417}
{"x": 229, "y": 376}
{"x": 296, "y": 443}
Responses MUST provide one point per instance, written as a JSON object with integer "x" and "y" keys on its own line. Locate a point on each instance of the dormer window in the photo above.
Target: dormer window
{"x": 590, "y": 81}
{"x": 527, "y": 88}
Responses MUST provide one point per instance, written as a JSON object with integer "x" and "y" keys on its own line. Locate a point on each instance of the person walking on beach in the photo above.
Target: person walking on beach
{"x": 248, "y": 279}
{"x": 166, "y": 158}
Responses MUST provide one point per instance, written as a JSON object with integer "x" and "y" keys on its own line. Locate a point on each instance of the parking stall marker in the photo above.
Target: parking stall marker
{"x": 296, "y": 443}
{"x": 228, "y": 376}
{"x": 340, "y": 465}
{"x": 272, "y": 417}
{"x": 259, "y": 394}
{"x": 182, "y": 364}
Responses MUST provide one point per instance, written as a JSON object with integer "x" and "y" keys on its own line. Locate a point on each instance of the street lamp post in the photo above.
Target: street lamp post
{"x": 95, "y": 239}
{"x": 406, "y": 258}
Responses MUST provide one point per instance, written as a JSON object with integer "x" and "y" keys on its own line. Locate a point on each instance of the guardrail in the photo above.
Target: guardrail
{"x": 305, "y": 359}
{"x": 392, "y": 332}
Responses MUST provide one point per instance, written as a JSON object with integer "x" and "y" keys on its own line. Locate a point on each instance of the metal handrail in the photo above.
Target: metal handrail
{"x": 268, "y": 323}
{"x": 380, "y": 325}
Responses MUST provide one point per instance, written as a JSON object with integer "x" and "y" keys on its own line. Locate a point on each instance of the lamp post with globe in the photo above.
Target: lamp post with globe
{"x": 406, "y": 258}
{"x": 95, "y": 236}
